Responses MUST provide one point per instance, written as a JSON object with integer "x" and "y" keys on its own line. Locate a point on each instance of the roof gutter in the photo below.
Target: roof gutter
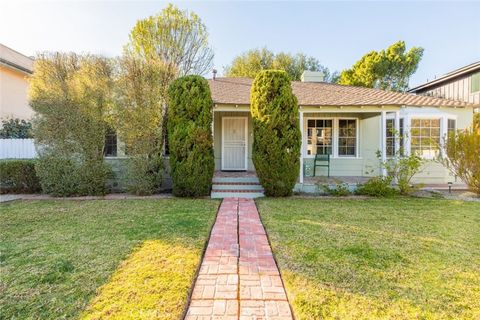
{"x": 15, "y": 66}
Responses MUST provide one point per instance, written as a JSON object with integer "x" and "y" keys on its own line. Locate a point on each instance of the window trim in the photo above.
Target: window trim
{"x": 335, "y": 136}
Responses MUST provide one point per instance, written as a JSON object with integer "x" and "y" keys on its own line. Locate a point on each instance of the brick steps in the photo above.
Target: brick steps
{"x": 236, "y": 187}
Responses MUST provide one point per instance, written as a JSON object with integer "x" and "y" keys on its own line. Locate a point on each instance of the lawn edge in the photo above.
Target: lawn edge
{"x": 276, "y": 262}
{"x": 197, "y": 271}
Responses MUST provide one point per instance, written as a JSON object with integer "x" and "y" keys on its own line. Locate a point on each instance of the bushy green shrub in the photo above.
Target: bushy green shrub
{"x": 338, "y": 190}
{"x": 276, "y": 131}
{"x": 401, "y": 169}
{"x": 462, "y": 156}
{"x": 18, "y": 176}
{"x": 16, "y": 129}
{"x": 64, "y": 176}
{"x": 72, "y": 96}
{"x": 377, "y": 187}
{"x": 190, "y": 136}
{"x": 144, "y": 174}
{"x": 476, "y": 120}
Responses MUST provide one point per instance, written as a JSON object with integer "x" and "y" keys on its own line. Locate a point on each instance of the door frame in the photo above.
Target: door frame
{"x": 246, "y": 144}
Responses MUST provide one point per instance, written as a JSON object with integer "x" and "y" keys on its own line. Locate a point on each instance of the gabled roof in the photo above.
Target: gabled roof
{"x": 15, "y": 60}
{"x": 473, "y": 67}
{"x": 237, "y": 91}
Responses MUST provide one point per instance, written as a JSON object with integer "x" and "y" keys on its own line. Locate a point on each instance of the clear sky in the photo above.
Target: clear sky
{"x": 337, "y": 33}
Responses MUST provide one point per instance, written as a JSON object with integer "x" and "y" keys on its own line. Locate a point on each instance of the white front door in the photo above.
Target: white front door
{"x": 234, "y": 143}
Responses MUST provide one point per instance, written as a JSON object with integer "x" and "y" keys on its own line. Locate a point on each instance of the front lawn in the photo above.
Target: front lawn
{"x": 129, "y": 259}
{"x": 401, "y": 258}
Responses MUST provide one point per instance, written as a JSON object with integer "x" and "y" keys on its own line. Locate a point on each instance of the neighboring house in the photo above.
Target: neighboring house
{"x": 15, "y": 68}
{"x": 349, "y": 123}
{"x": 462, "y": 84}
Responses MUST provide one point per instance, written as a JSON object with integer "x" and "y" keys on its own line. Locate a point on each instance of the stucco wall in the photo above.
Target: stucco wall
{"x": 14, "y": 95}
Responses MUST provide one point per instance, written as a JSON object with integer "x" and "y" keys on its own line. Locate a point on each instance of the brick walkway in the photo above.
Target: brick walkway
{"x": 238, "y": 278}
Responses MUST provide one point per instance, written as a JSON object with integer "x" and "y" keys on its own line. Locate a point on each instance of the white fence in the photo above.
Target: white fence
{"x": 17, "y": 149}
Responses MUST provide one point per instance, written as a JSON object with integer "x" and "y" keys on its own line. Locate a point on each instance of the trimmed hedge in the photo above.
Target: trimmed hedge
{"x": 276, "y": 132}
{"x": 65, "y": 177}
{"x": 18, "y": 176}
{"x": 190, "y": 136}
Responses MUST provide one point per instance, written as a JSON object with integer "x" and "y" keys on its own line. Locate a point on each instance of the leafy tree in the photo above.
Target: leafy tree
{"x": 178, "y": 38}
{"x": 388, "y": 69}
{"x": 462, "y": 158}
{"x": 190, "y": 136}
{"x": 138, "y": 118}
{"x": 476, "y": 119}
{"x": 162, "y": 47}
{"x": 16, "y": 129}
{"x": 250, "y": 63}
{"x": 72, "y": 96}
{"x": 276, "y": 131}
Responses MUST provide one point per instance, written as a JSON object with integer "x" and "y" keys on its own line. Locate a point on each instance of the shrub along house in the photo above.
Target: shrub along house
{"x": 350, "y": 124}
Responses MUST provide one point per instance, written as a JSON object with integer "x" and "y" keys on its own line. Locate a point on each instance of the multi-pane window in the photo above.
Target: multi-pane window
{"x": 319, "y": 136}
{"x": 475, "y": 83}
{"x": 347, "y": 137}
{"x": 390, "y": 137}
{"x": 425, "y": 137}
{"x": 110, "y": 144}
{"x": 452, "y": 125}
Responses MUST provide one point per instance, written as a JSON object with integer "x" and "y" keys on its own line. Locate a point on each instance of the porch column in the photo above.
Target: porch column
{"x": 213, "y": 127}
{"x": 383, "y": 143}
{"x": 397, "y": 132}
{"x": 407, "y": 123}
{"x": 301, "y": 146}
{"x": 443, "y": 134}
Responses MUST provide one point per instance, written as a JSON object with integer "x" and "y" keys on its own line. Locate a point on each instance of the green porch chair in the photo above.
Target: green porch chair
{"x": 321, "y": 160}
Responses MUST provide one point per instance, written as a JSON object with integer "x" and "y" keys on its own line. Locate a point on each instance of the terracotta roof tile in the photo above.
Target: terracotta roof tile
{"x": 237, "y": 91}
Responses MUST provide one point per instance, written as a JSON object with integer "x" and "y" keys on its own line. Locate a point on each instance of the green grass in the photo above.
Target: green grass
{"x": 401, "y": 258}
{"x": 128, "y": 259}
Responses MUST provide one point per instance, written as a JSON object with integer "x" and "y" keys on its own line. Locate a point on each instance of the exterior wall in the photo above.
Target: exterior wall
{"x": 435, "y": 173}
{"x": 366, "y": 162}
{"x": 457, "y": 89}
{"x": 14, "y": 95}
{"x": 369, "y": 142}
{"x": 217, "y": 135}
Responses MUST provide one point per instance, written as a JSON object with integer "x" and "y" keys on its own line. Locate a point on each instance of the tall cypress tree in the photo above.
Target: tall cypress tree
{"x": 190, "y": 136}
{"x": 276, "y": 131}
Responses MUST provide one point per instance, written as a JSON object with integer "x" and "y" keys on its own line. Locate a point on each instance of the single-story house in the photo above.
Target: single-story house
{"x": 349, "y": 123}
